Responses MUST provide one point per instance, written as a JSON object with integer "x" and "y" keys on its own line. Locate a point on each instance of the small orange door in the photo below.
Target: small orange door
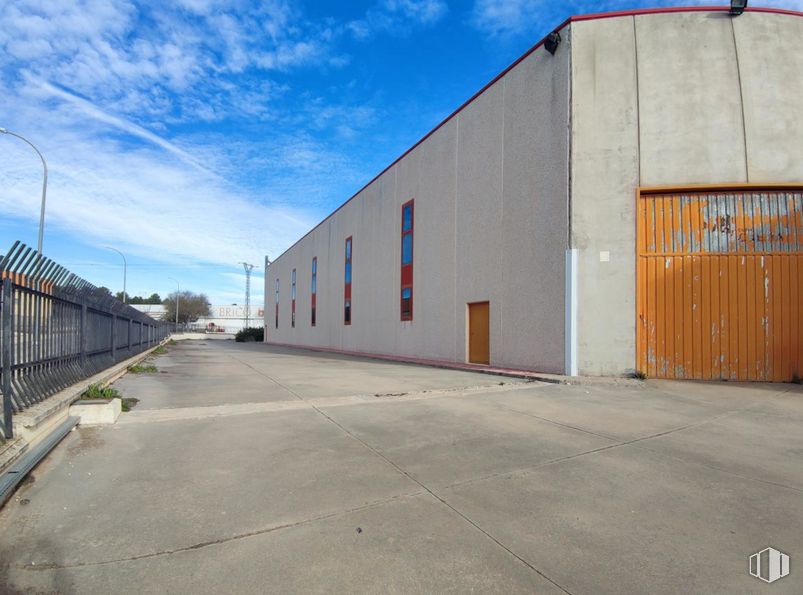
{"x": 479, "y": 349}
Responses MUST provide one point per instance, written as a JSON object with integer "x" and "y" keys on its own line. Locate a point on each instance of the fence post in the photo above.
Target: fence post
{"x": 114, "y": 338}
{"x": 84, "y": 337}
{"x": 6, "y": 355}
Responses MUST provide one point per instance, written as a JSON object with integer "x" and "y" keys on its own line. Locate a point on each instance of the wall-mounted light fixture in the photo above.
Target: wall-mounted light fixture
{"x": 737, "y": 7}
{"x": 552, "y": 42}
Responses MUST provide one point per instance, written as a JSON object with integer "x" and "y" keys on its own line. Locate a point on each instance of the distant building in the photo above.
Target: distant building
{"x": 156, "y": 311}
{"x": 229, "y": 319}
{"x": 223, "y": 319}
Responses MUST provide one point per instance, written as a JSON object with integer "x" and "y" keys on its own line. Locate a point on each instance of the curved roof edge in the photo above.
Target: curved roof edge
{"x": 572, "y": 19}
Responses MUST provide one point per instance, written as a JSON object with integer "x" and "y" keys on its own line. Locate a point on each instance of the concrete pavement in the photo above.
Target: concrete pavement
{"x": 248, "y": 469}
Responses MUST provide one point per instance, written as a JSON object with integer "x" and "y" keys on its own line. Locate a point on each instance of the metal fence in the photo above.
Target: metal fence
{"x": 57, "y": 329}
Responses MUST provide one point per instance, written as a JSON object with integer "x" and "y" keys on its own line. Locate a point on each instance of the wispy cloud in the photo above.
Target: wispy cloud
{"x": 398, "y": 17}
{"x": 88, "y": 109}
{"x": 505, "y": 17}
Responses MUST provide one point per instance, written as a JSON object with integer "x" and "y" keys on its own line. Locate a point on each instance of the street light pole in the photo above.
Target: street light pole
{"x": 44, "y": 185}
{"x": 178, "y": 295}
{"x": 125, "y": 269}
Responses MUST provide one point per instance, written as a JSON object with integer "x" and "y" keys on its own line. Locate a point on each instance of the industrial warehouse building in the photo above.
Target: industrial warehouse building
{"x": 626, "y": 197}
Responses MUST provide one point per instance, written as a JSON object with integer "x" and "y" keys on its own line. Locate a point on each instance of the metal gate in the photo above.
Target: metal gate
{"x": 719, "y": 282}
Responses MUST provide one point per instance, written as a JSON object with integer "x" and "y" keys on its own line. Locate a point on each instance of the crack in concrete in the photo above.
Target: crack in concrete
{"x": 235, "y": 409}
{"x": 221, "y": 541}
{"x": 557, "y": 423}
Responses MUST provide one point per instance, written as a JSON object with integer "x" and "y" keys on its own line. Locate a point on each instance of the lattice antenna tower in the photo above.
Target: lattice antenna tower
{"x": 247, "y": 268}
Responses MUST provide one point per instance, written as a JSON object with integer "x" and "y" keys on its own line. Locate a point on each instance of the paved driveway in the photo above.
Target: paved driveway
{"x": 249, "y": 469}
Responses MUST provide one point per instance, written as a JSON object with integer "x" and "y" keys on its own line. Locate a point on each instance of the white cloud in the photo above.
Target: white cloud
{"x": 169, "y": 56}
{"x": 422, "y": 11}
{"x": 398, "y": 17}
{"x": 506, "y": 17}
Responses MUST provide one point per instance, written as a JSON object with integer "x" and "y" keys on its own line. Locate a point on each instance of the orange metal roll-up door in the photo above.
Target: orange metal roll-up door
{"x": 719, "y": 283}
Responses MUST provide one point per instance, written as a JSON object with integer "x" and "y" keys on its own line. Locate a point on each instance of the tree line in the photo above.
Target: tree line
{"x": 191, "y": 306}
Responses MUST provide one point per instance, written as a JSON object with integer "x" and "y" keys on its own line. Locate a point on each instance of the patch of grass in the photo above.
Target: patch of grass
{"x": 143, "y": 369}
{"x": 172, "y": 342}
{"x": 95, "y": 391}
{"x": 129, "y": 403}
{"x": 159, "y": 350}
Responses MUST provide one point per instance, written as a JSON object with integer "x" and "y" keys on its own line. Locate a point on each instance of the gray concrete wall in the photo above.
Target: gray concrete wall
{"x": 491, "y": 191}
{"x": 669, "y": 99}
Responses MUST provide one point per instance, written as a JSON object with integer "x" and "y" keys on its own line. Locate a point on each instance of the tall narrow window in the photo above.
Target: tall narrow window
{"x": 347, "y": 293}
{"x": 408, "y": 215}
{"x": 314, "y": 290}
{"x": 293, "y": 299}
{"x": 277, "y": 303}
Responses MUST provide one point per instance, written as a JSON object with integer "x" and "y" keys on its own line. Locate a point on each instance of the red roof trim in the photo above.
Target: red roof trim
{"x": 674, "y": 9}
{"x": 572, "y": 19}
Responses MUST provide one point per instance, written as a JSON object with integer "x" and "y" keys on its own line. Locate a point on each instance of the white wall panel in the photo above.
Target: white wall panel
{"x": 466, "y": 227}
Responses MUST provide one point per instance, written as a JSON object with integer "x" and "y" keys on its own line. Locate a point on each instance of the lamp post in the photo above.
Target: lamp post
{"x": 44, "y": 185}
{"x": 125, "y": 269}
{"x": 178, "y": 295}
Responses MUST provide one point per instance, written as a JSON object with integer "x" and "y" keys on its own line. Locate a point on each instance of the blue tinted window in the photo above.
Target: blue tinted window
{"x": 407, "y": 249}
{"x": 407, "y": 293}
{"x": 314, "y": 265}
{"x": 314, "y": 285}
{"x": 348, "y": 272}
{"x": 407, "y": 218}
{"x": 348, "y": 249}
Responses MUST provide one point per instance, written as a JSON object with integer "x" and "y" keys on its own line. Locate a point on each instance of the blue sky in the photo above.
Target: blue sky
{"x": 195, "y": 134}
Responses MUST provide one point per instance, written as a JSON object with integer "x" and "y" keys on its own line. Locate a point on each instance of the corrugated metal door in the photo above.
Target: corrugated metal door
{"x": 719, "y": 283}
